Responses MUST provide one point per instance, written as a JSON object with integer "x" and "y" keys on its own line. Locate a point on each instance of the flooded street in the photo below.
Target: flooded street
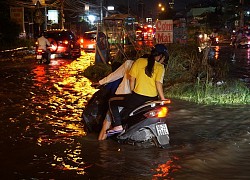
{"x": 42, "y": 134}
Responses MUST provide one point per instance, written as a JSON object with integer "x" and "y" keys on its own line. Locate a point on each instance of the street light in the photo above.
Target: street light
{"x": 161, "y": 7}
{"x": 160, "y": 10}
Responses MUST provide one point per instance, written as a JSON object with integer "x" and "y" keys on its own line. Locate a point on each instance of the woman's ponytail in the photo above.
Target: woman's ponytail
{"x": 151, "y": 62}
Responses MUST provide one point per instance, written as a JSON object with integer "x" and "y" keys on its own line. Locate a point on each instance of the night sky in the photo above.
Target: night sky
{"x": 151, "y": 5}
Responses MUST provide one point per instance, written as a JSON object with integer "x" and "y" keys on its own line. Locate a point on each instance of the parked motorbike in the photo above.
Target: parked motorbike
{"x": 42, "y": 56}
{"x": 144, "y": 126}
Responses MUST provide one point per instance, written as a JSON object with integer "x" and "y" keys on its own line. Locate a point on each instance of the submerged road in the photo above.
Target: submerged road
{"x": 42, "y": 136}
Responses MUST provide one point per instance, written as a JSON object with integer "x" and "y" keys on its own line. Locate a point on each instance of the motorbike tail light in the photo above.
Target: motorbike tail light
{"x": 65, "y": 42}
{"x": 39, "y": 50}
{"x": 81, "y": 40}
{"x": 157, "y": 113}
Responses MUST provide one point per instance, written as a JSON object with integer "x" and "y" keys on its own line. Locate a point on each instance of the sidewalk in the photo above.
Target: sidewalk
{"x": 17, "y": 53}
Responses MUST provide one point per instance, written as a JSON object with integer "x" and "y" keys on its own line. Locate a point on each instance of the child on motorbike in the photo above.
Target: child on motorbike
{"x": 146, "y": 80}
{"x": 123, "y": 88}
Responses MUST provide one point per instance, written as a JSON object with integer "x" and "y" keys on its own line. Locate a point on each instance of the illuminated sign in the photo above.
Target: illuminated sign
{"x": 111, "y": 8}
{"x": 164, "y": 31}
{"x": 53, "y": 16}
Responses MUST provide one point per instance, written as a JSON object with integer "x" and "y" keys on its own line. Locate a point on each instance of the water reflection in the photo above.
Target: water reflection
{"x": 65, "y": 93}
{"x": 217, "y": 50}
{"x": 165, "y": 170}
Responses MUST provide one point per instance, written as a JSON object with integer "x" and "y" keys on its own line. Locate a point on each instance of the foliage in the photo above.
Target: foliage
{"x": 192, "y": 76}
{"x": 195, "y": 76}
{"x": 97, "y": 71}
{"x": 183, "y": 64}
{"x": 231, "y": 92}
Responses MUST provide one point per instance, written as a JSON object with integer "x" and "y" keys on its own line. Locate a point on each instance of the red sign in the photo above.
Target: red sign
{"x": 17, "y": 15}
{"x": 164, "y": 31}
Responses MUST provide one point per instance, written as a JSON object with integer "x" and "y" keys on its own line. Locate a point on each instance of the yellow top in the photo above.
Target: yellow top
{"x": 145, "y": 85}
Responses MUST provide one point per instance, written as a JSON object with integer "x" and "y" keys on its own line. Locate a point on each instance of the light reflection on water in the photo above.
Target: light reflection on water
{"x": 67, "y": 95}
{"x": 44, "y": 130}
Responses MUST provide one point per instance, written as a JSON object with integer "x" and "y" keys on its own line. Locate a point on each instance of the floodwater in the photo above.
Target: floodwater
{"x": 238, "y": 61}
{"x": 42, "y": 136}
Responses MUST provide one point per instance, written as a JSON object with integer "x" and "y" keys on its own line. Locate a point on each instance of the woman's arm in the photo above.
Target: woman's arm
{"x": 160, "y": 90}
{"x": 117, "y": 74}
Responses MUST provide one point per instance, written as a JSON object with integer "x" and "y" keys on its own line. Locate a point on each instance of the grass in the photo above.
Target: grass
{"x": 231, "y": 92}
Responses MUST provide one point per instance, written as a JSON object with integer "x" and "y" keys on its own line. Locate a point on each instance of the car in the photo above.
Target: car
{"x": 88, "y": 41}
{"x": 63, "y": 42}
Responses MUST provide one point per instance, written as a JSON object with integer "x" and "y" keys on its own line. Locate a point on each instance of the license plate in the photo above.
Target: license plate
{"x": 162, "y": 129}
{"x": 38, "y": 56}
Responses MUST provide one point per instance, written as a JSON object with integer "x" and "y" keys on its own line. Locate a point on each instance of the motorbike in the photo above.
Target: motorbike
{"x": 42, "y": 56}
{"x": 145, "y": 126}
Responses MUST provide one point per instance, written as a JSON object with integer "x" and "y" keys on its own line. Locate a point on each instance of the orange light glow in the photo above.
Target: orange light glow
{"x": 66, "y": 42}
{"x": 217, "y": 49}
{"x": 164, "y": 170}
{"x": 163, "y": 112}
{"x": 61, "y": 49}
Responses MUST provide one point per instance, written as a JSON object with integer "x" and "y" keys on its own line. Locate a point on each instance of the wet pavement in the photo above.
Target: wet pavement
{"x": 42, "y": 136}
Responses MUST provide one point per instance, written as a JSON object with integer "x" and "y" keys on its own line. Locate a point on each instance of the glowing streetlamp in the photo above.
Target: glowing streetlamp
{"x": 91, "y": 18}
{"x": 161, "y": 7}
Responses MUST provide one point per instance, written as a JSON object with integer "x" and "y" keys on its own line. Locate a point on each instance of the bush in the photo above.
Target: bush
{"x": 97, "y": 71}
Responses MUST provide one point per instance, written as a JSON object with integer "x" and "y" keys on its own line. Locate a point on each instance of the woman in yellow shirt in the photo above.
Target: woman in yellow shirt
{"x": 145, "y": 82}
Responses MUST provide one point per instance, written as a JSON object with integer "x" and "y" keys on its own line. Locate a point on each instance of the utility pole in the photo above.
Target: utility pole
{"x": 62, "y": 14}
{"x": 101, "y": 17}
{"x": 45, "y": 18}
{"x": 128, "y": 6}
{"x": 241, "y": 13}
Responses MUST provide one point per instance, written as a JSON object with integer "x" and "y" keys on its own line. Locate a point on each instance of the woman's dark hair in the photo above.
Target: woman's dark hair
{"x": 151, "y": 62}
{"x": 158, "y": 49}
